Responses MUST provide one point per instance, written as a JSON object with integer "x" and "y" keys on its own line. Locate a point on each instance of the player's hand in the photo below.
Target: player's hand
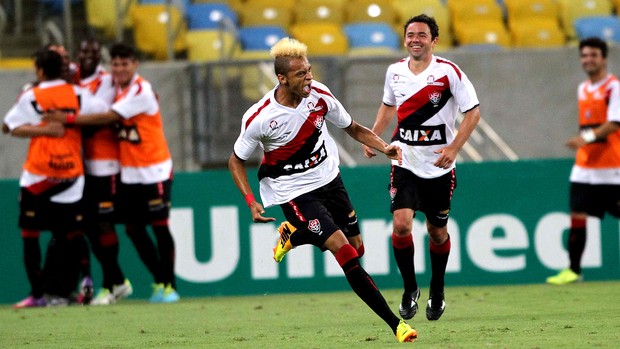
{"x": 257, "y": 213}
{"x": 54, "y": 129}
{"x": 447, "y": 156}
{"x": 368, "y": 151}
{"x": 55, "y": 115}
{"x": 576, "y": 142}
{"x": 394, "y": 152}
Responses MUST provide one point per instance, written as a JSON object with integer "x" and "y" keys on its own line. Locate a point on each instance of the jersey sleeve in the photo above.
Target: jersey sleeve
{"x": 388, "y": 93}
{"x": 464, "y": 92}
{"x": 613, "y": 109}
{"x": 140, "y": 99}
{"x": 23, "y": 112}
{"x": 248, "y": 139}
{"x": 337, "y": 114}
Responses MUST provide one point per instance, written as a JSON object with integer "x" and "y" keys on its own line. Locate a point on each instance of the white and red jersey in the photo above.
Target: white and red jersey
{"x": 101, "y": 149}
{"x": 598, "y": 162}
{"x": 144, "y": 154}
{"x": 427, "y": 107}
{"x": 54, "y": 157}
{"x": 299, "y": 153}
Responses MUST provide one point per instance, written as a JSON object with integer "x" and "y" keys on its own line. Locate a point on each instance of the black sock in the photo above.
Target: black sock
{"x": 576, "y": 246}
{"x": 363, "y": 285}
{"x": 403, "y": 254}
{"x": 146, "y": 250}
{"x": 439, "y": 260}
{"x": 32, "y": 262}
{"x": 108, "y": 256}
{"x": 165, "y": 245}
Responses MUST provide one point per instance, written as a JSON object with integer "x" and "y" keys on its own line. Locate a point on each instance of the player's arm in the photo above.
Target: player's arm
{"x": 49, "y": 129}
{"x": 448, "y": 153}
{"x": 593, "y": 134}
{"x": 384, "y": 117}
{"x": 102, "y": 118}
{"x": 240, "y": 176}
{"x": 370, "y": 139}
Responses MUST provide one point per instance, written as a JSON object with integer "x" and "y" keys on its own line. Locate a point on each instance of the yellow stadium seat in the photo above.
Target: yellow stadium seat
{"x": 17, "y": 63}
{"x": 537, "y": 33}
{"x": 406, "y": 9}
{"x": 257, "y": 13}
{"x": 257, "y": 78}
{"x": 150, "y": 29}
{"x": 370, "y": 11}
{"x": 474, "y": 10}
{"x": 102, "y": 15}
{"x": 525, "y": 10}
{"x": 483, "y": 33}
{"x": 323, "y": 39}
{"x": 573, "y": 9}
{"x": 209, "y": 45}
{"x": 315, "y": 11}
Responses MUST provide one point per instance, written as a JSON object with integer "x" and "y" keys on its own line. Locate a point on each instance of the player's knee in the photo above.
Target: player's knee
{"x": 439, "y": 219}
{"x": 353, "y": 227}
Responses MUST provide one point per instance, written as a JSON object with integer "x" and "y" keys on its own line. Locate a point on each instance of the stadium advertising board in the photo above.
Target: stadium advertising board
{"x": 508, "y": 225}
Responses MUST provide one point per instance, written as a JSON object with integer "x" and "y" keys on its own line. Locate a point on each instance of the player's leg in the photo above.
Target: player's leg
{"x": 404, "y": 201}
{"x": 158, "y": 215}
{"x": 436, "y": 196}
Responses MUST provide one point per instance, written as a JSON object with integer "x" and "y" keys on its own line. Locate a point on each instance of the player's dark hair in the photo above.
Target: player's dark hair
{"x": 50, "y": 62}
{"x": 596, "y": 43}
{"x": 423, "y": 18}
{"x": 122, "y": 50}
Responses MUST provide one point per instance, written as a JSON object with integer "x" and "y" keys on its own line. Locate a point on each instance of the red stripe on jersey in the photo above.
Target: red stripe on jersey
{"x": 458, "y": 72}
{"x": 251, "y": 118}
{"x": 322, "y": 91}
{"x": 306, "y": 131}
{"x": 419, "y": 99}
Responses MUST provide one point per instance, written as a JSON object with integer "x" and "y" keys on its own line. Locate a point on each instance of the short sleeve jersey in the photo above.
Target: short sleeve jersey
{"x": 299, "y": 153}
{"x": 144, "y": 154}
{"x": 428, "y": 105}
{"x": 598, "y": 162}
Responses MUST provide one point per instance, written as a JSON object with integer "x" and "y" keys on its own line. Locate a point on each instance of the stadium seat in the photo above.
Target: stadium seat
{"x": 406, "y": 9}
{"x": 532, "y": 10}
{"x": 323, "y": 39}
{"x": 570, "y": 10}
{"x": 536, "y": 33}
{"x": 209, "y": 15}
{"x": 102, "y": 15}
{"x": 259, "y": 38}
{"x": 371, "y": 35}
{"x": 209, "y": 45}
{"x": 150, "y": 29}
{"x": 315, "y": 11}
{"x": 483, "y": 33}
{"x": 235, "y": 5}
{"x": 256, "y": 73}
{"x": 604, "y": 27}
{"x": 370, "y": 11}
{"x": 257, "y": 13}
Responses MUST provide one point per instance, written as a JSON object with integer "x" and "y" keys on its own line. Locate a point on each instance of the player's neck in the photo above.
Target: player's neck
{"x": 418, "y": 65}
{"x": 598, "y": 77}
{"x": 287, "y": 99}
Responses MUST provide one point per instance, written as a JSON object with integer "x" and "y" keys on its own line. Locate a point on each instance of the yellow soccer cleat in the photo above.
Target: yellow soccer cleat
{"x": 284, "y": 245}
{"x": 404, "y": 332}
{"x": 566, "y": 276}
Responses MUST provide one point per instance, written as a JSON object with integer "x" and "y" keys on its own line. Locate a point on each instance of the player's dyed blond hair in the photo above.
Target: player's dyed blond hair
{"x": 284, "y": 50}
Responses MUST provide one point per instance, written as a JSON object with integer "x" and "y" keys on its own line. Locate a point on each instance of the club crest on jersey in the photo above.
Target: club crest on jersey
{"x": 315, "y": 226}
{"x": 435, "y": 98}
{"x": 318, "y": 122}
{"x": 430, "y": 80}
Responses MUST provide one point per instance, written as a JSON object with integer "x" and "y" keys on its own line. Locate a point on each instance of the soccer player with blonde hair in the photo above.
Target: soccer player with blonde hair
{"x": 300, "y": 171}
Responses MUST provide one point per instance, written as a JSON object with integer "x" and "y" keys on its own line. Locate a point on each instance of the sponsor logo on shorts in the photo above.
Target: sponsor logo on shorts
{"x": 393, "y": 193}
